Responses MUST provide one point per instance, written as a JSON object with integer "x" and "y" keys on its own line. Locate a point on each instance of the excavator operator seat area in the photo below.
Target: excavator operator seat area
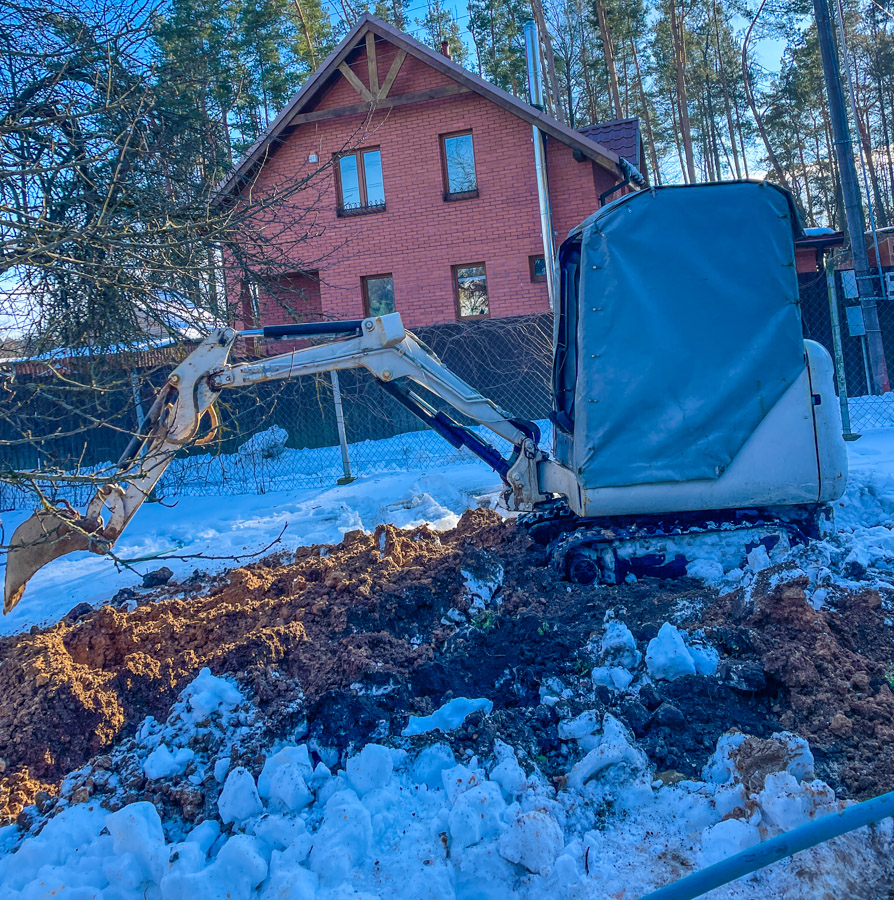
{"x": 678, "y": 345}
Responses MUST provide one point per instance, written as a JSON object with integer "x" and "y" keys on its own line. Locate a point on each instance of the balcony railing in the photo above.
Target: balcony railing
{"x": 344, "y": 212}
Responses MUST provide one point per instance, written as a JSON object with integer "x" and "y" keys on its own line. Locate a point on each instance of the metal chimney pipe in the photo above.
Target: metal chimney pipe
{"x": 535, "y": 96}
{"x": 532, "y": 57}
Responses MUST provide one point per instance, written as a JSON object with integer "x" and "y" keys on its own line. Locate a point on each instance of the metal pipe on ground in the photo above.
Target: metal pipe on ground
{"x": 869, "y": 812}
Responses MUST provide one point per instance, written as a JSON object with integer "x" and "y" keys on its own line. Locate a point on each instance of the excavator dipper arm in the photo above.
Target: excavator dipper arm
{"x": 379, "y": 344}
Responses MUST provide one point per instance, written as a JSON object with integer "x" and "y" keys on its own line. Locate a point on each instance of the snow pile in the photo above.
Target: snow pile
{"x": 617, "y": 655}
{"x": 451, "y": 715}
{"x": 267, "y": 444}
{"x": 670, "y": 655}
{"x": 428, "y": 827}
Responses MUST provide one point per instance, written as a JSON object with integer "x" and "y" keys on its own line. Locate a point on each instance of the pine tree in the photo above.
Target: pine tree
{"x": 439, "y": 25}
{"x": 496, "y": 29}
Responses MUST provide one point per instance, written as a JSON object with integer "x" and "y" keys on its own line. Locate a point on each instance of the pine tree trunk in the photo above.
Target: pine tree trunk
{"x": 547, "y": 44}
{"x": 726, "y": 101}
{"x": 682, "y": 98}
{"x": 865, "y": 139}
{"x": 837, "y": 217}
{"x": 827, "y": 203}
{"x": 647, "y": 118}
{"x": 678, "y": 140}
{"x": 310, "y": 44}
{"x": 886, "y": 135}
{"x": 586, "y": 61}
{"x": 749, "y": 95}
{"x": 807, "y": 196}
{"x": 609, "y": 56}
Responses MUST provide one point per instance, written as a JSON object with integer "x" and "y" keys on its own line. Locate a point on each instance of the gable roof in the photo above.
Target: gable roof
{"x": 620, "y": 135}
{"x": 279, "y": 129}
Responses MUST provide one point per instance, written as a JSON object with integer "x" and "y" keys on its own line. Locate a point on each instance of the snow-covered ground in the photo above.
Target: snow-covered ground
{"x": 401, "y": 821}
{"x": 237, "y": 526}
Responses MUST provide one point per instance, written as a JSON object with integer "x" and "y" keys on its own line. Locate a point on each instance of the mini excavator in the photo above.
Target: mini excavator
{"x": 687, "y": 405}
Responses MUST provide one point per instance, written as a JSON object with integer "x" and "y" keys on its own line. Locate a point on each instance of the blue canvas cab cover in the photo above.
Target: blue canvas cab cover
{"x": 686, "y": 327}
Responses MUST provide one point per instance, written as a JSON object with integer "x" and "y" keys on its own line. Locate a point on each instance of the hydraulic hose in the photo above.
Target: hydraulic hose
{"x": 868, "y": 812}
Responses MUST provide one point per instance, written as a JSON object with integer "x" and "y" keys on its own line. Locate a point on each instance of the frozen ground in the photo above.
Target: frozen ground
{"x": 398, "y": 821}
{"x": 238, "y": 525}
{"x": 412, "y": 819}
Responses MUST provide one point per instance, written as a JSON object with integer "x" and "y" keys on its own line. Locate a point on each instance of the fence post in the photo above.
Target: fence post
{"x": 347, "y": 478}
{"x": 839, "y": 353}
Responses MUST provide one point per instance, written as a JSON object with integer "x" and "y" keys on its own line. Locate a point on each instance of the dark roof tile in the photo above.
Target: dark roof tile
{"x": 621, "y": 135}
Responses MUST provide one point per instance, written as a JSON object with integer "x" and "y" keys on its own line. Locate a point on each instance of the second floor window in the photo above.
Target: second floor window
{"x": 360, "y": 184}
{"x": 458, "y": 162}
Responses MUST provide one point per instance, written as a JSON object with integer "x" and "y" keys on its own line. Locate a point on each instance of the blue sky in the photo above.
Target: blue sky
{"x": 769, "y": 51}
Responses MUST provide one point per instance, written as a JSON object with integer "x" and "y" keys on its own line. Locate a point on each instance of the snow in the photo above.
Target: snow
{"x": 246, "y": 524}
{"x": 451, "y": 715}
{"x": 667, "y": 656}
{"x": 370, "y": 768}
{"x": 423, "y": 826}
{"x": 161, "y": 763}
{"x": 239, "y": 799}
{"x": 618, "y": 647}
{"x": 533, "y": 840}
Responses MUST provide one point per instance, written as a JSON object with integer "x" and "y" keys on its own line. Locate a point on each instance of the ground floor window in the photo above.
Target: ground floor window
{"x": 378, "y": 294}
{"x": 470, "y": 291}
{"x": 537, "y": 267}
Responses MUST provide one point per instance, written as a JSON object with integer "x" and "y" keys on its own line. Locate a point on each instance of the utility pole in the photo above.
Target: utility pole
{"x": 853, "y": 205}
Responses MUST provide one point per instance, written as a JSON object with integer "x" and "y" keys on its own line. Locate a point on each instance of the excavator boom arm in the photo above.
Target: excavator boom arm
{"x": 379, "y": 344}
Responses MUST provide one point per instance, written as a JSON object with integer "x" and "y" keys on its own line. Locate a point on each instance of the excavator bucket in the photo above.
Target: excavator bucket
{"x": 45, "y": 536}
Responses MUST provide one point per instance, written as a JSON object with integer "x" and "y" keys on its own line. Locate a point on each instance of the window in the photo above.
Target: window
{"x": 361, "y": 188}
{"x": 537, "y": 267}
{"x": 378, "y": 294}
{"x": 458, "y": 163}
{"x": 470, "y": 291}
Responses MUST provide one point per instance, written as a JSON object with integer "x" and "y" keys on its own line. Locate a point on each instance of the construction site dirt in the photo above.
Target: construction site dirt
{"x": 352, "y": 638}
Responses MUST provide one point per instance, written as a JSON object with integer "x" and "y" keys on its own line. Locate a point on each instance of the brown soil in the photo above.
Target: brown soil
{"x": 359, "y": 629}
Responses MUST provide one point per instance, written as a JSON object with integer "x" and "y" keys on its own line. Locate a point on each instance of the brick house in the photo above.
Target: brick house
{"x": 427, "y": 200}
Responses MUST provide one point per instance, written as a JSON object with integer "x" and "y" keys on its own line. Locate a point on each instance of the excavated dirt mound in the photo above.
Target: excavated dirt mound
{"x": 355, "y": 637}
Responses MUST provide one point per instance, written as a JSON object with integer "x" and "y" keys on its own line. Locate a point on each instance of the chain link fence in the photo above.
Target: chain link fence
{"x": 281, "y": 435}
{"x": 285, "y": 435}
{"x": 832, "y": 315}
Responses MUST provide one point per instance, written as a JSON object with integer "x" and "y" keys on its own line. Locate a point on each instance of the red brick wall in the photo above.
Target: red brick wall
{"x": 420, "y": 236}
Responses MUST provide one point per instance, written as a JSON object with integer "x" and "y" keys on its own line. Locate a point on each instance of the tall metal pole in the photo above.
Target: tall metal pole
{"x": 850, "y": 191}
{"x": 535, "y": 98}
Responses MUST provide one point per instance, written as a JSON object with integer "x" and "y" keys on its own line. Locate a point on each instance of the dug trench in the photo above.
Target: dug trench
{"x": 356, "y": 637}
